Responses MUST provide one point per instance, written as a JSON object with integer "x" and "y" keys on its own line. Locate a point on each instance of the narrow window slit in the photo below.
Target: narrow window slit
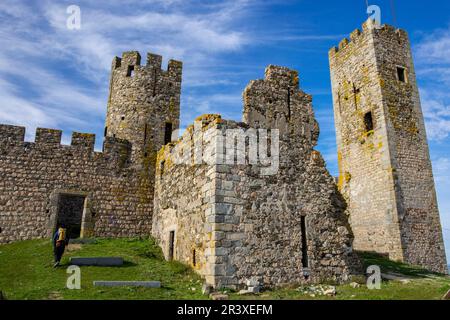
{"x": 368, "y": 122}
{"x": 305, "y": 263}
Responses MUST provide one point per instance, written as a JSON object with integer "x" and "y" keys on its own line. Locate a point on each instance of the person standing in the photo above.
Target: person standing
{"x": 59, "y": 244}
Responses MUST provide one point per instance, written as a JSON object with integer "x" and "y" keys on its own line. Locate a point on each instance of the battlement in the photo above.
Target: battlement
{"x": 83, "y": 140}
{"x": 112, "y": 148}
{"x": 131, "y": 59}
{"x": 369, "y": 29}
{"x": 12, "y": 133}
{"x": 282, "y": 76}
{"x": 48, "y": 136}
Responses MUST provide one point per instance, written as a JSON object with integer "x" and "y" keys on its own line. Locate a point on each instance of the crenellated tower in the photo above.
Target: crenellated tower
{"x": 144, "y": 109}
{"x": 384, "y": 163}
{"x": 144, "y": 104}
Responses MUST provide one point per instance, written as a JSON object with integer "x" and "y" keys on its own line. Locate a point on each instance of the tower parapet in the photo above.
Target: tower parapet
{"x": 144, "y": 103}
{"x": 384, "y": 164}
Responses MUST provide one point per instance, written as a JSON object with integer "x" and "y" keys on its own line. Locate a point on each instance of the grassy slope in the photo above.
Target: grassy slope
{"x": 26, "y": 273}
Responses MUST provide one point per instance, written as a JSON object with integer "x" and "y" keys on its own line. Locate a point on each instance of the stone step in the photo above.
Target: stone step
{"x": 97, "y": 261}
{"x": 146, "y": 284}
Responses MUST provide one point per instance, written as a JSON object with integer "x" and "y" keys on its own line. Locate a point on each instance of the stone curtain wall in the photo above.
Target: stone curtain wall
{"x": 249, "y": 224}
{"x": 385, "y": 174}
{"x": 33, "y": 174}
{"x": 271, "y": 207}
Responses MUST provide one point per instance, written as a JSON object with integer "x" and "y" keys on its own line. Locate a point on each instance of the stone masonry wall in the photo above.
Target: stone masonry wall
{"x": 420, "y": 225}
{"x": 250, "y": 222}
{"x": 33, "y": 174}
{"x": 183, "y": 194}
{"x": 385, "y": 173}
{"x": 143, "y": 107}
{"x": 365, "y": 169}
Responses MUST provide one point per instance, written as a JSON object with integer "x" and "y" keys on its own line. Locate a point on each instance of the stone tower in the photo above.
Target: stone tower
{"x": 144, "y": 108}
{"x": 385, "y": 170}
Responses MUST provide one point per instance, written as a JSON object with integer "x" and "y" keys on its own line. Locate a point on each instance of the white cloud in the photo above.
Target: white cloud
{"x": 436, "y": 110}
{"x": 54, "y": 77}
{"x": 433, "y": 70}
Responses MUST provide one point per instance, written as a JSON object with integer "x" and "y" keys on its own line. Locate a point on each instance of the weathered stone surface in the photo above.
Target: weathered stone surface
{"x": 145, "y": 284}
{"x": 253, "y": 224}
{"x": 233, "y": 222}
{"x": 97, "y": 261}
{"x": 114, "y": 187}
{"x": 384, "y": 163}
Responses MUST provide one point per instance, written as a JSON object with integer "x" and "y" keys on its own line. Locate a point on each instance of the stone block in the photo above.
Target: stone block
{"x": 145, "y": 284}
{"x": 97, "y": 261}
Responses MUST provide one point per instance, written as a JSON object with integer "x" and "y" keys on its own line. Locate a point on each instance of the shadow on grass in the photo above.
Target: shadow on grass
{"x": 389, "y": 266}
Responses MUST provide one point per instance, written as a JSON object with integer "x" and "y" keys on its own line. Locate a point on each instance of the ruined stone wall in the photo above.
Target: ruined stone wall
{"x": 251, "y": 221}
{"x": 33, "y": 174}
{"x": 270, "y": 208}
{"x": 183, "y": 202}
{"x": 385, "y": 173}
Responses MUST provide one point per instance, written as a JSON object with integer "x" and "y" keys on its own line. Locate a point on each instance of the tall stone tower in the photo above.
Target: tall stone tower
{"x": 144, "y": 108}
{"x": 385, "y": 170}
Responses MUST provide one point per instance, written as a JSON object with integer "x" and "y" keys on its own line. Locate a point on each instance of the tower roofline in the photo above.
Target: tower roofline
{"x": 133, "y": 58}
{"x": 368, "y": 27}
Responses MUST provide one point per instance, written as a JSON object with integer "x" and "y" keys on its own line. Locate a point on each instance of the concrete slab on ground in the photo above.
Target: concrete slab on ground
{"x": 146, "y": 284}
{"x": 97, "y": 261}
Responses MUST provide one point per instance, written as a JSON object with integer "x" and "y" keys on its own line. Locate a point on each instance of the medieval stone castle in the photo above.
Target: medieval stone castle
{"x": 232, "y": 222}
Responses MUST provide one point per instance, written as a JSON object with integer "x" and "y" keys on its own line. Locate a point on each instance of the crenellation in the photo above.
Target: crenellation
{"x": 48, "y": 136}
{"x": 84, "y": 141}
{"x": 344, "y": 42}
{"x": 154, "y": 61}
{"x": 116, "y": 63}
{"x": 175, "y": 69}
{"x": 12, "y": 133}
{"x": 131, "y": 58}
{"x": 354, "y": 36}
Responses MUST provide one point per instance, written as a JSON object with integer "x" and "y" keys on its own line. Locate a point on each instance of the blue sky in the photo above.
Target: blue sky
{"x": 58, "y": 78}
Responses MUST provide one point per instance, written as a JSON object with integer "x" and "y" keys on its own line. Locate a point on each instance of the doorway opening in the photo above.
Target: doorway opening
{"x": 70, "y": 213}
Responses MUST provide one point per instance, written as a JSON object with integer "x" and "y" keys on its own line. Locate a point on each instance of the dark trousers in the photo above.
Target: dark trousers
{"x": 58, "y": 252}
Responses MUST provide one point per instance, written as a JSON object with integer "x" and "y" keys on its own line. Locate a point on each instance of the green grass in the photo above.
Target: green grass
{"x": 26, "y": 273}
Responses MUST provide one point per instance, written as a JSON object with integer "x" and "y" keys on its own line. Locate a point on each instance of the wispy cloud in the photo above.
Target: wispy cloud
{"x": 54, "y": 77}
{"x": 433, "y": 68}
